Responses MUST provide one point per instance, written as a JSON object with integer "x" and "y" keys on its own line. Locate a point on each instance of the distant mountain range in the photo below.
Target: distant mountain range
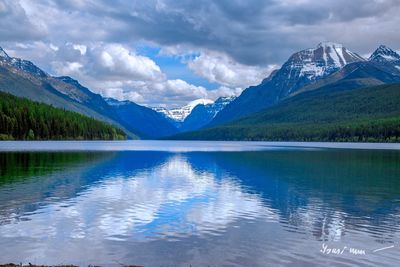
{"x": 180, "y": 114}
{"x": 312, "y": 73}
{"x": 147, "y": 123}
{"x": 306, "y": 68}
{"x": 196, "y": 114}
{"x": 368, "y": 114}
{"x": 23, "y": 78}
{"x": 202, "y": 114}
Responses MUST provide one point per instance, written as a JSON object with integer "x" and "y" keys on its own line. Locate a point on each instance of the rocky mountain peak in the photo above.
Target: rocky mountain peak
{"x": 384, "y": 54}
{"x": 312, "y": 64}
{"x": 323, "y": 58}
{"x": 21, "y": 64}
{"x": 180, "y": 114}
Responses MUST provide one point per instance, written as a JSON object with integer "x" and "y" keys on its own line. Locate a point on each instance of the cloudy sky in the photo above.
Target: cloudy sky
{"x": 168, "y": 52}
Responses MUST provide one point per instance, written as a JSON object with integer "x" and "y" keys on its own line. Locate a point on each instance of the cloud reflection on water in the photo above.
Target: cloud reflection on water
{"x": 238, "y": 208}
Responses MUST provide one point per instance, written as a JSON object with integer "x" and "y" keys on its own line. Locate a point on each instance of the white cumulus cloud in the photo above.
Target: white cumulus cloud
{"x": 114, "y": 70}
{"x": 220, "y": 68}
{"x": 117, "y": 62}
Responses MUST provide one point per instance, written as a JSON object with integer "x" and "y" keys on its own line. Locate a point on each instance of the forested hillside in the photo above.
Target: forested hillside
{"x": 22, "y": 119}
{"x": 362, "y": 115}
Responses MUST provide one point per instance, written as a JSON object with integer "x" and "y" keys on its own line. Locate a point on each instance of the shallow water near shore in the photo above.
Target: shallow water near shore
{"x": 172, "y": 203}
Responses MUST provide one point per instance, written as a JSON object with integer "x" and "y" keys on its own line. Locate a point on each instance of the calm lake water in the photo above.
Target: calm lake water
{"x": 199, "y": 203}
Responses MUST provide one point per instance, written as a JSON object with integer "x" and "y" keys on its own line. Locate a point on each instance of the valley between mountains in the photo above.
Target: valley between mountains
{"x": 326, "y": 93}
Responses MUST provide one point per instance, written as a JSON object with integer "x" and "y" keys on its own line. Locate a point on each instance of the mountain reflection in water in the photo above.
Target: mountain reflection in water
{"x": 199, "y": 208}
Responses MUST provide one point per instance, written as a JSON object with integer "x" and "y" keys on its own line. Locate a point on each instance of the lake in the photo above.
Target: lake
{"x": 170, "y": 203}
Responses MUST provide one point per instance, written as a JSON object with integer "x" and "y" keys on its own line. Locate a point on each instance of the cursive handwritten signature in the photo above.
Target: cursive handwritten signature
{"x": 341, "y": 250}
{"x": 327, "y": 250}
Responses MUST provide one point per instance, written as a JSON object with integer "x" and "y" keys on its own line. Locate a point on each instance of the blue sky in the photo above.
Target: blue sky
{"x": 174, "y": 66}
{"x": 168, "y": 52}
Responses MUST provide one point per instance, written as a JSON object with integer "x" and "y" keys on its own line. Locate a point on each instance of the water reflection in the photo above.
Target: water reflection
{"x": 199, "y": 208}
{"x": 363, "y": 184}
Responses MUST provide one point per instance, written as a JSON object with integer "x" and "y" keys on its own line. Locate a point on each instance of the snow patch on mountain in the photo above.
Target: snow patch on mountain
{"x": 384, "y": 54}
{"x": 324, "y": 60}
{"x": 180, "y": 114}
{"x": 202, "y": 115}
{"x": 201, "y": 101}
{"x": 21, "y": 64}
{"x": 389, "y": 58}
{"x": 218, "y": 105}
{"x": 215, "y": 107}
{"x": 312, "y": 64}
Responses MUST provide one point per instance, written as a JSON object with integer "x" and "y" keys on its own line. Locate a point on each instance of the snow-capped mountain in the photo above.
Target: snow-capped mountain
{"x": 21, "y": 64}
{"x": 313, "y": 64}
{"x": 220, "y": 103}
{"x": 302, "y": 68}
{"x": 387, "y": 57}
{"x": 180, "y": 114}
{"x": 384, "y": 54}
{"x": 201, "y": 115}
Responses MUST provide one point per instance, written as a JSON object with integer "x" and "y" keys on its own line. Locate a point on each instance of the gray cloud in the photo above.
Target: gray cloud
{"x": 247, "y": 36}
{"x": 15, "y": 24}
{"x": 255, "y": 32}
{"x": 114, "y": 71}
{"x": 221, "y": 69}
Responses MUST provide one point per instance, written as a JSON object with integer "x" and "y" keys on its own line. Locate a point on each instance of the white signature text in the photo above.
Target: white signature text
{"x": 341, "y": 250}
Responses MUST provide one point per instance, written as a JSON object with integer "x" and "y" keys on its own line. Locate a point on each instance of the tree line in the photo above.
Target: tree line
{"x": 23, "y": 119}
{"x": 374, "y": 130}
{"x": 369, "y": 114}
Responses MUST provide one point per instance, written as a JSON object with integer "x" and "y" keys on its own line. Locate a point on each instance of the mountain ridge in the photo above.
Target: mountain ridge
{"x": 384, "y": 54}
{"x": 328, "y": 66}
{"x": 303, "y": 70}
{"x": 24, "y": 119}
{"x": 370, "y": 114}
{"x": 179, "y": 114}
{"x": 148, "y": 123}
{"x": 23, "y": 78}
{"x": 202, "y": 115}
